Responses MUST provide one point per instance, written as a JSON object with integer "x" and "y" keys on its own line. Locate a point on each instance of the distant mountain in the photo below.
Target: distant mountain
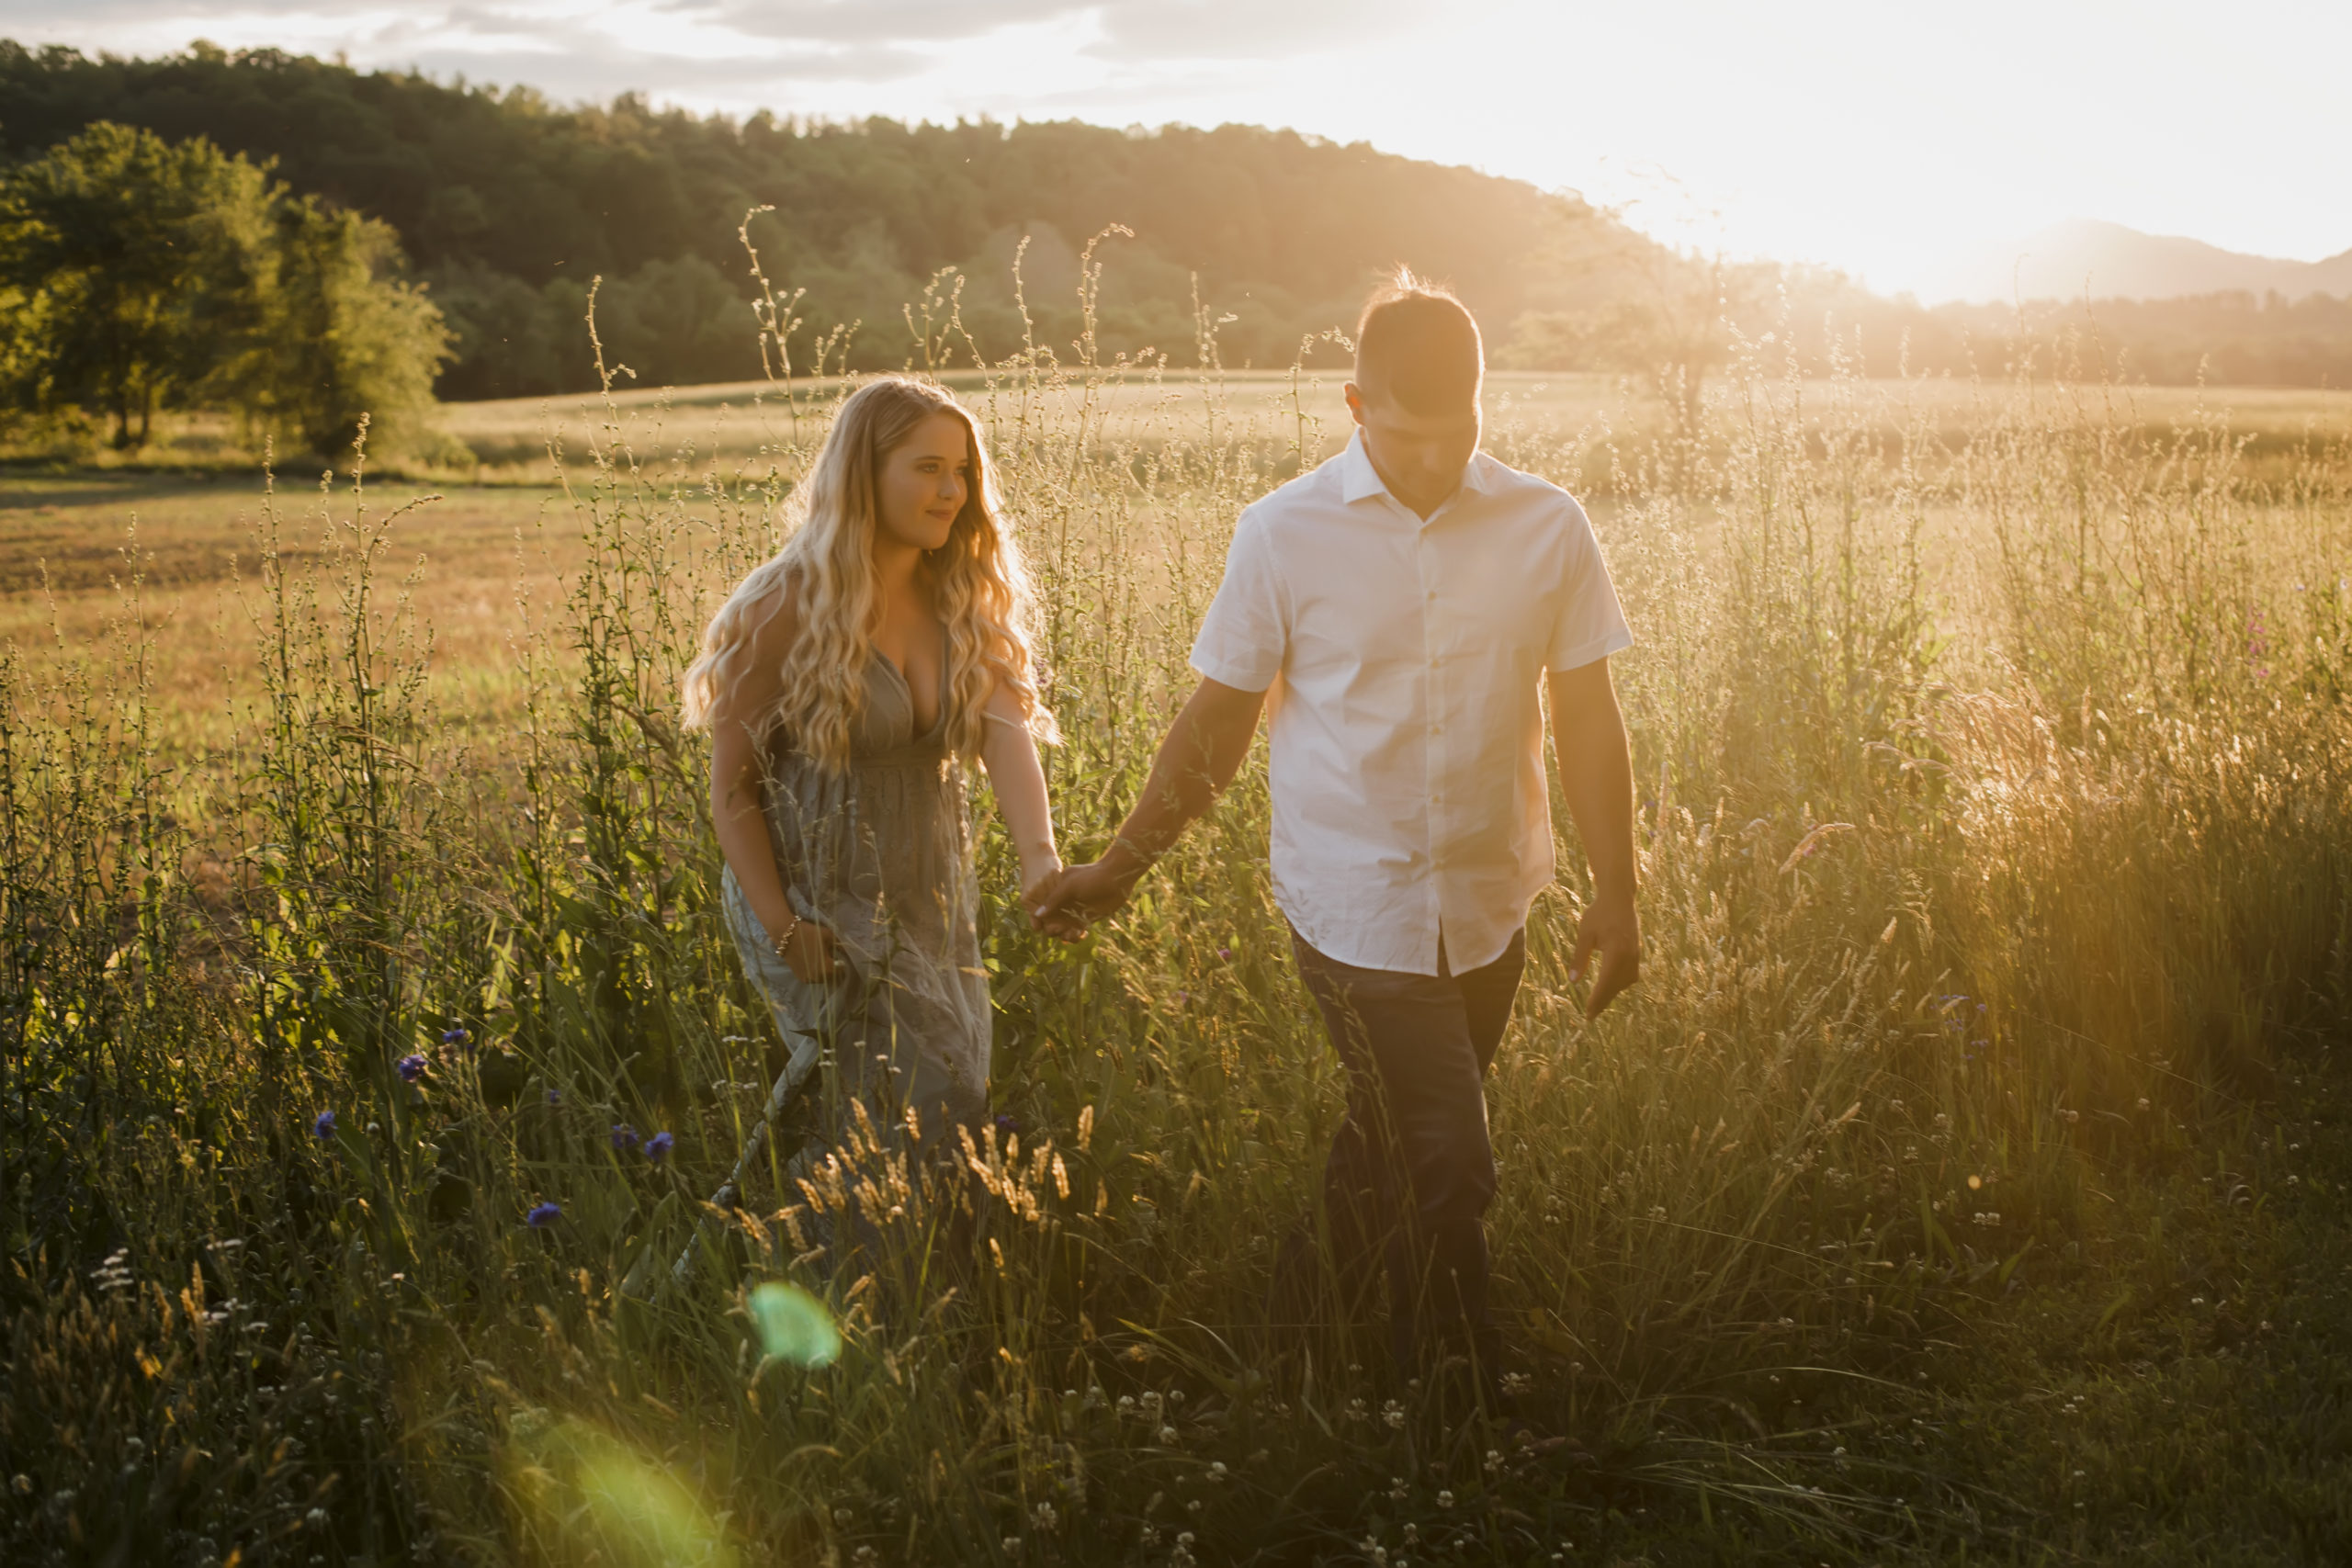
{"x": 2107, "y": 261}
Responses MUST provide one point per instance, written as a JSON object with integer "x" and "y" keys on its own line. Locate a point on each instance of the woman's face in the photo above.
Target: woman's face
{"x": 923, "y": 483}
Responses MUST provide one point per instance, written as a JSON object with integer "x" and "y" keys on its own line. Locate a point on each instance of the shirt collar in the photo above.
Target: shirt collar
{"x": 1359, "y": 478}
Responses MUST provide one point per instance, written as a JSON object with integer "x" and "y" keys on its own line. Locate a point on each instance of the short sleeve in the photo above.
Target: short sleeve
{"x": 1588, "y": 623}
{"x": 1246, "y": 633}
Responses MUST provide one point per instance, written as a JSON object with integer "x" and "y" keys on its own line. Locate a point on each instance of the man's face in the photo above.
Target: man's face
{"x": 1418, "y": 457}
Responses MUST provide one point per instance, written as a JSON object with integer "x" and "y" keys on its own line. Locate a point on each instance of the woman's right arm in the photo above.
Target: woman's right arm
{"x": 736, "y": 809}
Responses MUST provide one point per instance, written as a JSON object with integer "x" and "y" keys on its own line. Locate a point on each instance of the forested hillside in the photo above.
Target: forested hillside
{"x": 508, "y": 204}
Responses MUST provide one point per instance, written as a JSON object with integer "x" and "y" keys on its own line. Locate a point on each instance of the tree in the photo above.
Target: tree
{"x": 141, "y": 275}
{"x": 1673, "y": 331}
{"x": 133, "y": 260}
{"x": 342, "y": 336}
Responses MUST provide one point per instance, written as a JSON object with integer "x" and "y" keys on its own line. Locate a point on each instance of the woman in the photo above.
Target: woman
{"x": 845, "y": 685}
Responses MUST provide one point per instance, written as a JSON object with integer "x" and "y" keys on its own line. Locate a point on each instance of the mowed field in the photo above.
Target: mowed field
{"x": 84, "y": 556}
{"x": 739, "y": 422}
{"x": 482, "y": 550}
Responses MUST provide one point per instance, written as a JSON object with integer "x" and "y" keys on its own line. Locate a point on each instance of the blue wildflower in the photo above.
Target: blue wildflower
{"x": 324, "y": 1126}
{"x": 555, "y": 1096}
{"x": 658, "y": 1145}
{"x": 1007, "y": 1126}
{"x": 412, "y": 1068}
{"x": 624, "y": 1138}
{"x": 460, "y": 1035}
{"x": 542, "y": 1215}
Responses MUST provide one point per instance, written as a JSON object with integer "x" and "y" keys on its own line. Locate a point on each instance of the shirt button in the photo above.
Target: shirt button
{"x": 1437, "y": 729}
{"x": 1433, "y": 594}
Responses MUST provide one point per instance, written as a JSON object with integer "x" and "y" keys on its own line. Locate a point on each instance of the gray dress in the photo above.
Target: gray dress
{"x": 880, "y": 854}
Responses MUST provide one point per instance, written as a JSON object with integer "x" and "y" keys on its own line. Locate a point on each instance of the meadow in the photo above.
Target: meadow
{"x": 1965, "y": 1182}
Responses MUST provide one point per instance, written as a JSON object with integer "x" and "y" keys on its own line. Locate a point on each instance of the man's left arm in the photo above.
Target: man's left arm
{"x": 1597, "y": 777}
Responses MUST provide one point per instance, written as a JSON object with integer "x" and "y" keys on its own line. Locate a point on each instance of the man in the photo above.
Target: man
{"x": 1395, "y": 611}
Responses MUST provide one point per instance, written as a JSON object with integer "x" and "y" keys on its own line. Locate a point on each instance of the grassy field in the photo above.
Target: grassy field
{"x": 1966, "y": 1181}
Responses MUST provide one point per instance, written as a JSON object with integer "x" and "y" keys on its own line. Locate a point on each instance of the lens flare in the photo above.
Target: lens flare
{"x": 794, "y": 1326}
{"x": 587, "y": 1496}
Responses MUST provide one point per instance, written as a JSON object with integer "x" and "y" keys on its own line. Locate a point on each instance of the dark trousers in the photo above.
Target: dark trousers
{"x": 1410, "y": 1174}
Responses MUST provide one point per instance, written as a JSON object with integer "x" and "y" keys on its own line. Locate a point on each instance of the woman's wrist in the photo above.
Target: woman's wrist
{"x": 782, "y": 940}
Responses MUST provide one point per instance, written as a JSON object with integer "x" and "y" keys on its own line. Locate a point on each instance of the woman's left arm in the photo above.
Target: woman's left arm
{"x": 1010, "y": 753}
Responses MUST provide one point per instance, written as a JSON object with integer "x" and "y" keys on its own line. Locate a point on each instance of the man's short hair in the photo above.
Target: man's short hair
{"x": 1417, "y": 345}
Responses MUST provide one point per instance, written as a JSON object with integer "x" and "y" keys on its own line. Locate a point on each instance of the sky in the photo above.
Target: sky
{"x": 1904, "y": 142}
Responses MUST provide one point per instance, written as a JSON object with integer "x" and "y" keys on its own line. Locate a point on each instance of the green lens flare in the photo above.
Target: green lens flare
{"x": 587, "y": 1496}
{"x": 794, "y": 1326}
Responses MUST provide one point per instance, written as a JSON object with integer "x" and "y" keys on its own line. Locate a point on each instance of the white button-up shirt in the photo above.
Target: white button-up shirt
{"x": 1402, "y": 660}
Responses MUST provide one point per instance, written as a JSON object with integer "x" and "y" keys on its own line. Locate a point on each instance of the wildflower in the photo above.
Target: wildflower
{"x": 1043, "y": 1517}
{"x": 1217, "y": 1470}
{"x": 543, "y": 1216}
{"x": 1012, "y": 1545}
{"x": 457, "y": 1036}
{"x": 658, "y": 1145}
{"x": 316, "y": 1518}
{"x": 1445, "y": 1499}
{"x": 555, "y": 1096}
{"x": 1225, "y": 954}
{"x": 324, "y": 1126}
{"x": 624, "y": 1138}
{"x": 411, "y": 1068}
{"x": 1167, "y": 1437}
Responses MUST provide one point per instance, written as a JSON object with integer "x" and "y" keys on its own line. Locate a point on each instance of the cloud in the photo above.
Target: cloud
{"x": 838, "y": 39}
{"x": 1245, "y": 30}
{"x": 902, "y": 22}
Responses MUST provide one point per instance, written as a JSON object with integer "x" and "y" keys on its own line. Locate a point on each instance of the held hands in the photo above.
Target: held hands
{"x": 1048, "y": 911}
{"x": 1078, "y": 895}
{"x": 1613, "y": 932}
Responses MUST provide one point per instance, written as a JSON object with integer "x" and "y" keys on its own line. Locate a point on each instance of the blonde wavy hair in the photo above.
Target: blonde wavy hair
{"x": 825, "y": 572}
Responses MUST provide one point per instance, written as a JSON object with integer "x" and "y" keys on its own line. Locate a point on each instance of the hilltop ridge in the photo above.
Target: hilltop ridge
{"x": 2085, "y": 258}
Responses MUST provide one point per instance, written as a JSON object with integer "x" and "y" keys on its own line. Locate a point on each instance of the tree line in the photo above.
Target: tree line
{"x": 506, "y": 206}
{"x": 443, "y": 236}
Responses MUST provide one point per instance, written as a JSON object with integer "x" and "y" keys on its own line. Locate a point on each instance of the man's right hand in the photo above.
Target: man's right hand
{"x": 1094, "y": 890}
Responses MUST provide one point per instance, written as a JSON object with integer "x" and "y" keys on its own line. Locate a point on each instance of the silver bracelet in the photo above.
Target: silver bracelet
{"x": 779, "y": 943}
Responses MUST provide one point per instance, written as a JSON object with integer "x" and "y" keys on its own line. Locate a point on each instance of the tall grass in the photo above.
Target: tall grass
{"x": 1994, "y": 831}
